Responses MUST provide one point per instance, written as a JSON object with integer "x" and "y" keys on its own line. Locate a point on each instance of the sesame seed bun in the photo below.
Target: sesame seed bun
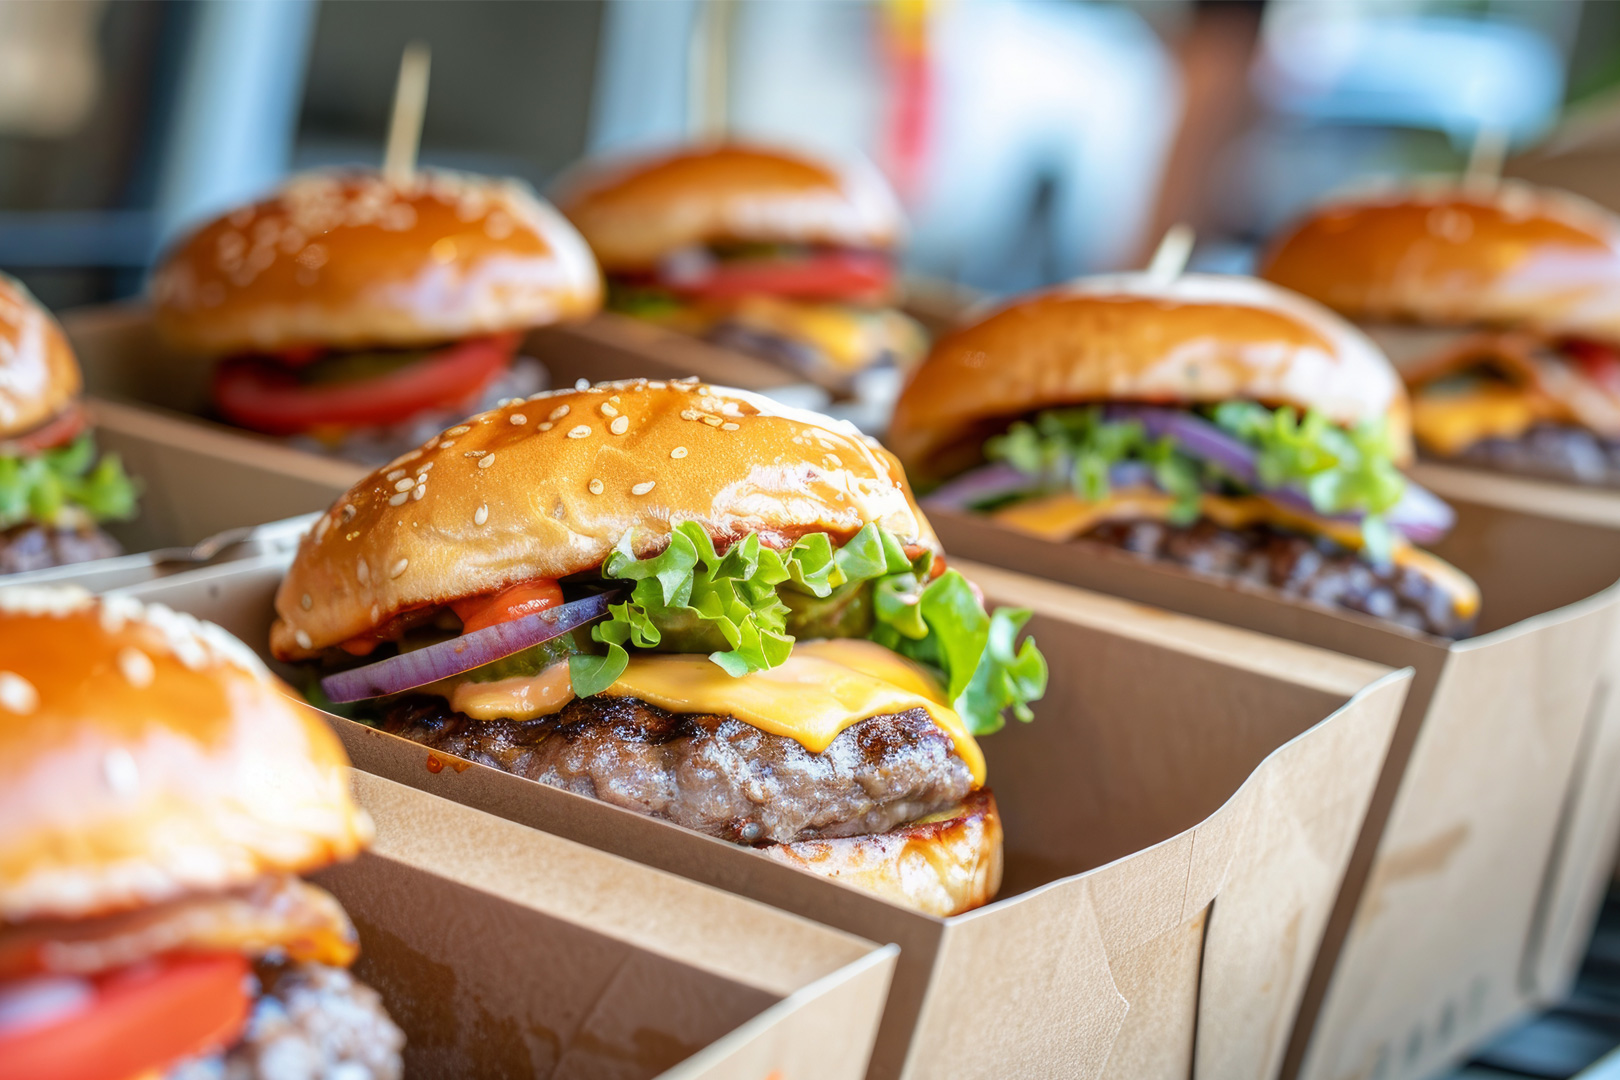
{"x": 545, "y": 488}
{"x": 1510, "y": 255}
{"x": 39, "y": 376}
{"x": 145, "y": 755}
{"x": 1199, "y": 339}
{"x": 634, "y": 212}
{"x": 942, "y": 866}
{"x": 349, "y": 260}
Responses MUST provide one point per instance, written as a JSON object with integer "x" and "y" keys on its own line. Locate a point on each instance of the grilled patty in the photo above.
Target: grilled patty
{"x": 1551, "y": 452}
{"x": 39, "y": 547}
{"x": 714, "y": 774}
{"x": 1317, "y": 570}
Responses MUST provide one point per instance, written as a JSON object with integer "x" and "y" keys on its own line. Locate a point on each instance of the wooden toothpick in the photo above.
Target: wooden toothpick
{"x": 708, "y": 100}
{"x": 410, "y": 103}
{"x": 1485, "y": 159}
{"x": 1170, "y": 257}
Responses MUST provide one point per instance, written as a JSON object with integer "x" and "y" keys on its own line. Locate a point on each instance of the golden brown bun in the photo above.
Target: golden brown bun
{"x": 1128, "y": 337}
{"x": 1512, "y": 256}
{"x": 940, "y": 868}
{"x": 497, "y": 500}
{"x": 145, "y": 755}
{"x": 635, "y": 212}
{"x": 39, "y": 376}
{"x": 349, "y": 260}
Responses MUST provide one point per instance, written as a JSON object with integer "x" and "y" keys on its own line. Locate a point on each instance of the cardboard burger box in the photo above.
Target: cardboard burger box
{"x": 1478, "y": 874}
{"x": 522, "y": 954}
{"x": 1178, "y": 820}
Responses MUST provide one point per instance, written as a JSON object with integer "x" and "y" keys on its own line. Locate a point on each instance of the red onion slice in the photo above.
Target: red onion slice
{"x": 423, "y": 666}
{"x": 981, "y": 485}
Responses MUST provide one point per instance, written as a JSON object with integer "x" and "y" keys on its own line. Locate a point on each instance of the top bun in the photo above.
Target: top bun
{"x": 1509, "y": 255}
{"x": 350, "y": 260}
{"x": 546, "y": 487}
{"x": 635, "y": 212}
{"x": 1130, "y": 337}
{"x": 145, "y": 755}
{"x": 39, "y": 376}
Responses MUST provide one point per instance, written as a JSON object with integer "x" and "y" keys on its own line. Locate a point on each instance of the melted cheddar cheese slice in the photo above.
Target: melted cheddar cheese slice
{"x": 823, "y": 688}
{"x": 1064, "y": 516}
{"x": 1449, "y": 421}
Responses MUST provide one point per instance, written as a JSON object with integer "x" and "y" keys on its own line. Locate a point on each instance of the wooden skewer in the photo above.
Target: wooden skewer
{"x": 1485, "y": 159}
{"x": 405, "y": 123}
{"x": 708, "y": 100}
{"x": 1170, "y": 257}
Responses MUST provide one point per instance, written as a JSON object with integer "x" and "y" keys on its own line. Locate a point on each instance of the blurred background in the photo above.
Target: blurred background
{"x": 1031, "y": 141}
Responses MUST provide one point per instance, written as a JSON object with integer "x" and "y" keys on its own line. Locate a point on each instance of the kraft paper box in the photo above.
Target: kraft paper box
{"x": 1178, "y": 820}
{"x": 502, "y": 951}
{"x": 1477, "y": 878}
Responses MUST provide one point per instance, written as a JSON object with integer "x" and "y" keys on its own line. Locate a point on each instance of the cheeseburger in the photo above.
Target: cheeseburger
{"x": 160, "y": 794}
{"x": 1501, "y": 307}
{"x": 1219, "y": 423}
{"x": 769, "y": 252}
{"x": 358, "y": 316}
{"x": 54, "y": 488}
{"x": 687, "y": 601}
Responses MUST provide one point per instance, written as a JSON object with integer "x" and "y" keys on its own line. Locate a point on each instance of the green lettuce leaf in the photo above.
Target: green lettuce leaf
{"x": 39, "y": 487}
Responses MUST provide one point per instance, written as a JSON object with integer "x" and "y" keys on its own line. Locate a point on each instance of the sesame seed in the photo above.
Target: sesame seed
{"x": 581, "y": 432}
{"x": 306, "y": 602}
{"x": 320, "y": 528}
{"x": 582, "y": 384}
{"x": 421, "y": 490}
{"x": 119, "y": 770}
{"x": 426, "y": 466}
{"x": 480, "y": 515}
{"x": 620, "y": 425}
{"x": 376, "y": 613}
{"x": 518, "y": 418}
{"x": 642, "y": 489}
{"x": 730, "y": 427}
{"x": 303, "y": 639}
{"x": 448, "y": 443}
{"x": 17, "y": 694}
{"x": 595, "y": 486}
{"x": 558, "y": 413}
{"x": 486, "y": 461}
{"x": 678, "y": 453}
{"x": 362, "y": 571}
{"x": 689, "y": 414}
{"x": 547, "y": 426}
{"x": 404, "y": 485}
{"x": 395, "y": 475}
{"x": 713, "y": 421}
{"x": 608, "y": 409}
{"x": 398, "y": 500}
{"x": 460, "y": 429}
{"x": 349, "y": 511}
{"x": 398, "y": 568}
{"x": 136, "y": 667}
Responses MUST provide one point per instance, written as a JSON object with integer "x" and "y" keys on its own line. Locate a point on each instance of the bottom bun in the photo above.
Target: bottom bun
{"x": 942, "y": 865}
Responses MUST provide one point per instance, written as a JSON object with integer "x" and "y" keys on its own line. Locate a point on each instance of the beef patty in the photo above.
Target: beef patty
{"x": 715, "y": 774}
{"x": 39, "y": 547}
{"x": 1317, "y": 570}
{"x": 1550, "y": 452}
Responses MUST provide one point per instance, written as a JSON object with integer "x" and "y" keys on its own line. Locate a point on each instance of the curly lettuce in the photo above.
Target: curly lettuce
{"x": 746, "y": 607}
{"x": 42, "y": 487}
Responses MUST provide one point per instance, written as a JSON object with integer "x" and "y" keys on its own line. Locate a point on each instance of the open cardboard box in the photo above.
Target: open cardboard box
{"x": 1484, "y": 857}
{"x": 1178, "y": 820}
{"x": 521, "y": 954}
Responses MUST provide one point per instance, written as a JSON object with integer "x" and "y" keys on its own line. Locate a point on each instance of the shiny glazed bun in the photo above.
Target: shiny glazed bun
{"x": 1129, "y": 337}
{"x": 546, "y": 487}
{"x": 145, "y": 755}
{"x": 350, "y": 260}
{"x": 635, "y": 212}
{"x": 1511, "y": 255}
{"x": 39, "y": 376}
{"x": 942, "y": 866}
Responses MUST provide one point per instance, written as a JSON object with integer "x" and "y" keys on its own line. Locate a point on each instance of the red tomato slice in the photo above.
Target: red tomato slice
{"x": 1600, "y": 362}
{"x": 826, "y": 275}
{"x": 263, "y": 396}
{"x": 144, "y": 1017}
{"x": 515, "y": 602}
{"x": 59, "y": 430}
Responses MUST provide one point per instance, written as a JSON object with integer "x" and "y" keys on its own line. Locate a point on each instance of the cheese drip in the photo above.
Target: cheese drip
{"x": 1065, "y": 516}
{"x": 823, "y": 688}
{"x": 1449, "y": 421}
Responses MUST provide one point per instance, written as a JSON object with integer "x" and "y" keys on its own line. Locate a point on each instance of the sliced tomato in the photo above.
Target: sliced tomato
{"x": 141, "y": 1018}
{"x": 59, "y": 430}
{"x": 516, "y": 602}
{"x": 1600, "y": 362}
{"x": 268, "y": 397}
{"x": 824, "y": 275}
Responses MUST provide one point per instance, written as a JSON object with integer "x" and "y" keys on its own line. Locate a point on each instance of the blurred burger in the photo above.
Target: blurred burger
{"x": 769, "y": 252}
{"x": 360, "y": 315}
{"x": 161, "y": 793}
{"x": 1219, "y": 423}
{"x": 686, "y": 601}
{"x": 54, "y": 489}
{"x": 1501, "y": 307}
